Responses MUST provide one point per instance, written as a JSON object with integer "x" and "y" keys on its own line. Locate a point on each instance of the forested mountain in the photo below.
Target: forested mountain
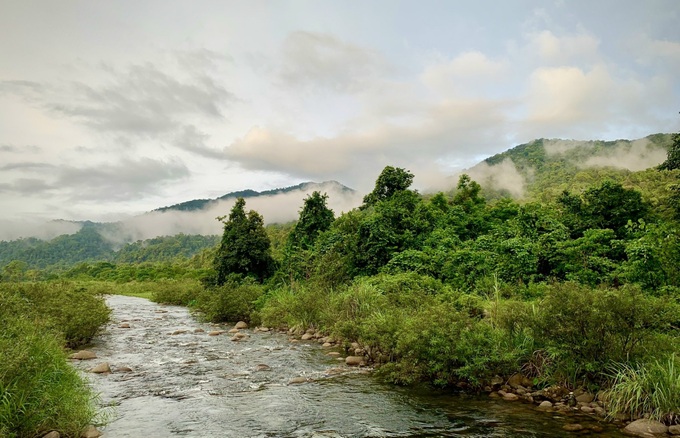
{"x": 89, "y": 245}
{"x": 544, "y": 168}
{"x": 537, "y": 171}
{"x": 198, "y": 204}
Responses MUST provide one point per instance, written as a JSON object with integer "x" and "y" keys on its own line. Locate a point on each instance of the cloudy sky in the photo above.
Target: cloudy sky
{"x": 115, "y": 108}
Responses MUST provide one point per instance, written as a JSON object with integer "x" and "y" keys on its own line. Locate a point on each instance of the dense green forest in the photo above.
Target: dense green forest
{"x": 574, "y": 286}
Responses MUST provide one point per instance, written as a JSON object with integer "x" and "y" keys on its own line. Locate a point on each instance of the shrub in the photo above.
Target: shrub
{"x": 586, "y": 329}
{"x": 233, "y": 301}
{"x": 178, "y": 292}
{"x": 67, "y": 308}
{"x": 303, "y": 306}
{"x": 443, "y": 345}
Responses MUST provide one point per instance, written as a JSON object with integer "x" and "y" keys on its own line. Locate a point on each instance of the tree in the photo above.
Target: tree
{"x": 673, "y": 158}
{"x": 245, "y": 247}
{"x": 315, "y": 218}
{"x": 467, "y": 193}
{"x": 609, "y": 205}
{"x": 390, "y": 181}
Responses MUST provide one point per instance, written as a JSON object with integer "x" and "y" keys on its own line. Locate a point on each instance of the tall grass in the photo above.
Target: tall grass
{"x": 39, "y": 390}
{"x": 652, "y": 388}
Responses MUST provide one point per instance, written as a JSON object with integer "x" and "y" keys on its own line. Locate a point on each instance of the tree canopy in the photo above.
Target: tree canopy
{"x": 245, "y": 246}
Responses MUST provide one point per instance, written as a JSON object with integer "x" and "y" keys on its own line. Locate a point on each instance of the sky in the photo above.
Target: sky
{"x": 111, "y": 109}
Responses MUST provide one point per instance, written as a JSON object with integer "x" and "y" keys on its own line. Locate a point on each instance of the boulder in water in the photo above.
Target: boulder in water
{"x": 241, "y": 325}
{"x": 83, "y": 355}
{"x": 645, "y": 428}
{"x": 572, "y": 427}
{"x": 354, "y": 361}
{"x": 102, "y": 368}
{"x": 90, "y": 432}
{"x": 52, "y": 434}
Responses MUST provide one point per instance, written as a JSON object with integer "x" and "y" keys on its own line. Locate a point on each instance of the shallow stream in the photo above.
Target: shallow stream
{"x": 186, "y": 383}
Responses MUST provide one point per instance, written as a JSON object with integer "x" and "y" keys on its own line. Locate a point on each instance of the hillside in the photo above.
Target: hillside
{"x": 540, "y": 170}
{"x": 200, "y": 204}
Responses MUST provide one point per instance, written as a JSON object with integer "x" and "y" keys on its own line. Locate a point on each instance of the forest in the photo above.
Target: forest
{"x": 574, "y": 286}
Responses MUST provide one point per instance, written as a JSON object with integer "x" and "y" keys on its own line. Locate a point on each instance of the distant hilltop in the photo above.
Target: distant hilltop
{"x": 202, "y": 204}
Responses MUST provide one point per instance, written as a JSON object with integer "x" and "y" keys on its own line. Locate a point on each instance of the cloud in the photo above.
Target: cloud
{"x": 190, "y": 139}
{"x": 27, "y": 166}
{"x": 316, "y": 61}
{"x": 469, "y": 71}
{"x": 459, "y": 129}
{"x": 561, "y": 50}
{"x": 120, "y": 180}
{"x": 143, "y": 101}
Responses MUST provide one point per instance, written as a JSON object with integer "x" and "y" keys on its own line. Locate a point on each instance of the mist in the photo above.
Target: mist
{"x": 635, "y": 155}
{"x": 279, "y": 208}
{"x": 41, "y": 229}
{"x": 502, "y": 176}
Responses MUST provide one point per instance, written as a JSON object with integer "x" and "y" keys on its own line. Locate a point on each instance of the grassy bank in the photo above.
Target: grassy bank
{"x": 39, "y": 390}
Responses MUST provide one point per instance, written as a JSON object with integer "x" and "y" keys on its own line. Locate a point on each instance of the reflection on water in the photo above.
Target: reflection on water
{"x": 186, "y": 383}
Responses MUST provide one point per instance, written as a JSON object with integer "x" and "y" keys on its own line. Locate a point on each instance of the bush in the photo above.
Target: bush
{"x": 233, "y": 301}
{"x": 177, "y": 292}
{"x": 67, "y": 308}
{"x": 444, "y": 346}
{"x": 586, "y": 329}
{"x": 303, "y": 306}
{"x": 39, "y": 390}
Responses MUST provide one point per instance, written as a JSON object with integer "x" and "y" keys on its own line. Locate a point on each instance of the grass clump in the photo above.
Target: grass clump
{"x": 652, "y": 388}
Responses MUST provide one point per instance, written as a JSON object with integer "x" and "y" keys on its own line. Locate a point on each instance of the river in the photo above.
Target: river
{"x": 170, "y": 378}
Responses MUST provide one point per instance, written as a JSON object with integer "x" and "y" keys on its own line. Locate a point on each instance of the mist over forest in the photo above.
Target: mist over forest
{"x": 505, "y": 176}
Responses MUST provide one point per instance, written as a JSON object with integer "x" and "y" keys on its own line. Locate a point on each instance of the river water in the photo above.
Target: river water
{"x": 186, "y": 383}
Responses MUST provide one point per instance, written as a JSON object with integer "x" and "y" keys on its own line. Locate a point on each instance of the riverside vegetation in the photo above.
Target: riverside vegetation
{"x": 578, "y": 291}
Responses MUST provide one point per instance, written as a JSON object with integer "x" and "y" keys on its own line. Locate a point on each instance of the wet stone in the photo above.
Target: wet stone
{"x": 83, "y": 355}
{"x": 572, "y": 427}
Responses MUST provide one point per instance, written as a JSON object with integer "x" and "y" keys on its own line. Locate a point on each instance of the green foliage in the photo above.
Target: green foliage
{"x": 650, "y": 388}
{"x": 315, "y": 218}
{"x": 68, "y": 308}
{"x": 245, "y": 246}
{"x": 586, "y": 329}
{"x": 303, "y": 306}
{"x": 673, "y": 159}
{"x": 39, "y": 390}
{"x": 232, "y": 301}
{"x": 178, "y": 292}
{"x": 390, "y": 181}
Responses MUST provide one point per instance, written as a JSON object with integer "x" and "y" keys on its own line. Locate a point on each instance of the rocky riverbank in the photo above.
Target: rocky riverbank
{"x": 517, "y": 388}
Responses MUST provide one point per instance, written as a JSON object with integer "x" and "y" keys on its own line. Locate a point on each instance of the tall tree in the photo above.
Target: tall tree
{"x": 673, "y": 158}
{"x": 245, "y": 247}
{"x": 390, "y": 181}
{"x": 315, "y": 217}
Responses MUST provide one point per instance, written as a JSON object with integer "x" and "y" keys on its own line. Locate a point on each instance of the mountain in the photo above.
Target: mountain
{"x": 538, "y": 170}
{"x": 164, "y": 234}
{"x": 544, "y": 168}
{"x": 201, "y": 204}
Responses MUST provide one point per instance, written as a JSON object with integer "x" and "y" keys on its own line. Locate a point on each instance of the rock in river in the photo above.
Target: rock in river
{"x": 645, "y": 428}
{"x": 83, "y": 355}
